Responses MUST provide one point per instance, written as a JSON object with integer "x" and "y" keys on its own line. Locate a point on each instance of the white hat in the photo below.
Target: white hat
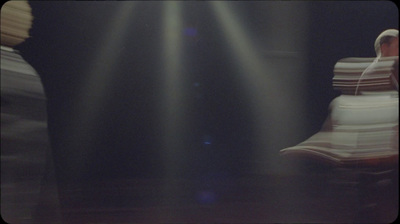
{"x": 389, "y": 32}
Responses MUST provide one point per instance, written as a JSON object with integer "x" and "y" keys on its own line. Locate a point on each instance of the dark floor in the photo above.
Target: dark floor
{"x": 329, "y": 196}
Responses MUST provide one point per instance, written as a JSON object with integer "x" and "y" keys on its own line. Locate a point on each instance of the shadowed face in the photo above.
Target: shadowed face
{"x": 391, "y": 48}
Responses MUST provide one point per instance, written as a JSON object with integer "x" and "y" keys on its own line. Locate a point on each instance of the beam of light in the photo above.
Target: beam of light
{"x": 172, "y": 108}
{"x": 103, "y": 64}
{"x": 267, "y": 94}
{"x": 93, "y": 89}
{"x": 259, "y": 90}
{"x": 172, "y": 59}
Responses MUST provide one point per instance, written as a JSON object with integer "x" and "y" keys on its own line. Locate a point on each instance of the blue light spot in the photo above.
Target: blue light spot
{"x": 206, "y": 197}
{"x": 207, "y": 140}
{"x": 190, "y": 31}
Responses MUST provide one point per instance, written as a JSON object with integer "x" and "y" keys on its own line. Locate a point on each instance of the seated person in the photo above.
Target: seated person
{"x": 386, "y": 45}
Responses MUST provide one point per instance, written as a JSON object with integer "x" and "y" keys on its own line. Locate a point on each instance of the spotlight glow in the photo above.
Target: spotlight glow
{"x": 172, "y": 108}
{"x": 258, "y": 84}
{"x": 261, "y": 77}
{"x": 93, "y": 88}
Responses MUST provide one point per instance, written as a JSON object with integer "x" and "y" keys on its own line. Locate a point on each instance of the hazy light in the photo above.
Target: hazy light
{"x": 254, "y": 72}
{"x": 101, "y": 67}
{"x": 98, "y": 76}
{"x": 172, "y": 110}
{"x": 271, "y": 98}
{"x": 172, "y": 62}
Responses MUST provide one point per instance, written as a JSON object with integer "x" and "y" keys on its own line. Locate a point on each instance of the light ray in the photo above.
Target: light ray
{"x": 266, "y": 92}
{"x": 172, "y": 111}
{"x": 94, "y": 87}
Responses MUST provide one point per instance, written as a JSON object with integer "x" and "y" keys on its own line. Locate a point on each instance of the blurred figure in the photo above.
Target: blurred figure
{"x": 387, "y": 43}
{"x": 28, "y": 188}
{"x": 360, "y": 136}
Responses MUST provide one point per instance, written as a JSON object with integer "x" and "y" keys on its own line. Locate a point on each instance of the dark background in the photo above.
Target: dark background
{"x": 121, "y": 138}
